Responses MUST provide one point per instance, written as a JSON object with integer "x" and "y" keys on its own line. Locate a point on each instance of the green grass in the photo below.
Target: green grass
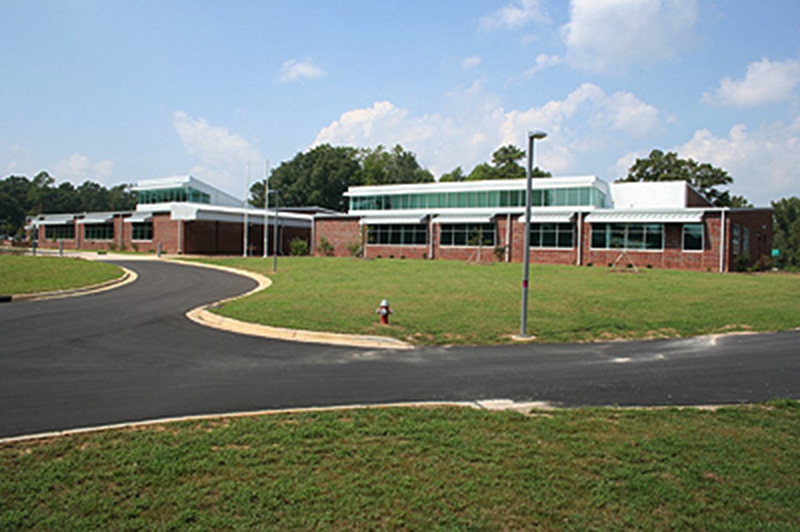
{"x": 443, "y": 302}
{"x": 28, "y": 275}
{"x": 737, "y": 468}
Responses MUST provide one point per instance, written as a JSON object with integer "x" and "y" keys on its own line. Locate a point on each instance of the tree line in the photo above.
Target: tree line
{"x": 21, "y": 197}
{"x": 321, "y": 175}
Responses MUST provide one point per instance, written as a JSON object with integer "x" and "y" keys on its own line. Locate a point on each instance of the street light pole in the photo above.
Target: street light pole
{"x": 532, "y": 137}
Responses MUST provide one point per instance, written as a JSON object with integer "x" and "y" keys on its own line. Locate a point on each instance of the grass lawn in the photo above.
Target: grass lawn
{"x": 737, "y": 468}
{"x": 27, "y": 275}
{"x": 444, "y": 302}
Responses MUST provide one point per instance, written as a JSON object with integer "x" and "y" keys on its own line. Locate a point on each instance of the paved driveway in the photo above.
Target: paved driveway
{"x": 130, "y": 354}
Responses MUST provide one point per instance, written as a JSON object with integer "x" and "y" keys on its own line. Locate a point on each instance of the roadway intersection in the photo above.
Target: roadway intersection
{"x": 130, "y": 354}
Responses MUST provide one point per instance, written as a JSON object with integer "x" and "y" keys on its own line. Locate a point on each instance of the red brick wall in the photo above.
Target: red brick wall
{"x": 339, "y": 232}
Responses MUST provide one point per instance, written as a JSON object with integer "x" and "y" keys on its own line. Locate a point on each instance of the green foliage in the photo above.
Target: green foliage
{"x": 320, "y": 176}
{"x": 298, "y": 247}
{"x": 786, "y": 232}
{"x": 735, "y": 468}
{"x": 325, "y": 247}
{"x": 505, "y": 165}
{"x": 21, "y": 197}
{"x": 707, "y": 179}
{"x": 455, "y": 176}
{"x": 354, "y": 249}
{"x": 450, "y": 302}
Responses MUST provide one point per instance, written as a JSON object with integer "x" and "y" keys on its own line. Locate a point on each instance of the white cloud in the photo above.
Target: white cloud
{"x": 513, "y": 16}
{"x": 542, "y": 62}
{"x": 764, "y": 82}
{"x": 293, "y": 70}
{"x": 223, "y": 155}
{"x": 586, "y": 121}
{"x": 612, "y": 34}
{"x": 78, "y": 168}
{"x": 763, "y": 163}
{"x": 471, "y": 62}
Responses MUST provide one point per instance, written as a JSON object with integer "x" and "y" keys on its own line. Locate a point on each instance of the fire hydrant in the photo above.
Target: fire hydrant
{"x": 384, "y": 311}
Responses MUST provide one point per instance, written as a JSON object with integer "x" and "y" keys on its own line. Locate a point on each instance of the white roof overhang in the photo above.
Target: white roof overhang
{"x": 96, "y": 218}
{"x": 391, "y": 220}
{"x": 476, "y": 218}
{"x": 55, "y": 220}
{"x": 139, "y": 217}
{"x": 549, "y": 217}
{"x": 666, "y": 217}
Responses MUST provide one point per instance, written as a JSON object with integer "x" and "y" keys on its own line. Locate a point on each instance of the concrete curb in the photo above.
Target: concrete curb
{"x": 127, "y": 277}
{"x": 492, "y": 405}
{"x": 202, "y": 316}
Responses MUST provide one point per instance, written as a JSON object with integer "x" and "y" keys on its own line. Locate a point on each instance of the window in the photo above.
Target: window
{"x": 59, "y": 232}
{"x": 693, "y": 237}
{"x": 467, "y": 235}
{"x": 736, "y": 239}
{"x": 745, "y": 241}
{"x": 553, "y": 235}
{"x": 398, "y": 234}
{"x": 628, "y": 236}
{"x": 142, "y": 231}
{"x": 98, "y": 231}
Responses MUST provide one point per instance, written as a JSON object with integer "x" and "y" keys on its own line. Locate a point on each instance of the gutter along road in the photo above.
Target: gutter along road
{"x": 130, "y": 354}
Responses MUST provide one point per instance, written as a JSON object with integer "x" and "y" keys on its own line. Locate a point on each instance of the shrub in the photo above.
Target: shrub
{"x": 500, "y": 253}
{"x": 354, "y": 249}
{"x": 298, "y": 247}
{"x": 325, "y": 247}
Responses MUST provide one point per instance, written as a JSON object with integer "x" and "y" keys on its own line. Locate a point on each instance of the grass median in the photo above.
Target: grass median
{"x": 736, "y": 468}
{"x": 29, "y": 275}
{"x": 449, "y": 302}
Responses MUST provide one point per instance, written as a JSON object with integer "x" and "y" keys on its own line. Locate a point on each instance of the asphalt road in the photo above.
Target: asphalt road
{"x": 130, "y": 354}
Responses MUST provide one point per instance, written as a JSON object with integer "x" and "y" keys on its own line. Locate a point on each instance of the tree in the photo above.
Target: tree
{"x": 455, "y": 176}
{"x": 321, "y": 175}
{"x": 707, "y": 179}
{"x": 382, "y": 167}
{"x": 505, "y": 165}
{"x": 786, "y": 232}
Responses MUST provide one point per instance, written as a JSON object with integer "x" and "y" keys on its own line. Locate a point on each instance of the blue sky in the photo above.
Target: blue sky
{"x": 117, "y": 91}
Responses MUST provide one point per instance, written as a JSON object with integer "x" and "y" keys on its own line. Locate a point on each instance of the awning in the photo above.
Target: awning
{"x": 139, "y": 217}
{"x": 549, "y": 217}
{"x": 55, "y": 220}
{"x": 96, "y": 218}
{"x": 646, "y": 217}
{"x": 464, "y": 218}
{"x": 395, "y": 220}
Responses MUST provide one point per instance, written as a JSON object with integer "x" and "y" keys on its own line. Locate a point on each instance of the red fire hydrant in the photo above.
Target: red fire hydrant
{"x": 384, "y": 311}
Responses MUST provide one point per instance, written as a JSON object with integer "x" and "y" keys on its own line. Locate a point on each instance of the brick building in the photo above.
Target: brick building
{"x": 575, "y": 220}
{"x": 181, "y": 214}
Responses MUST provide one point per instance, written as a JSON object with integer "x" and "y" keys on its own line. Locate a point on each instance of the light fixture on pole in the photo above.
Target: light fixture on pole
{"x": 533, "y": 136}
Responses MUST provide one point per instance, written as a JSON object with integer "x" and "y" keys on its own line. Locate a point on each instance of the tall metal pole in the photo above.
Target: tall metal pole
{"x": 266, "y": 210}
{"x": 526, "y": 252}
{"x": 246, "y": 186}
{"x": 275, "y": 235}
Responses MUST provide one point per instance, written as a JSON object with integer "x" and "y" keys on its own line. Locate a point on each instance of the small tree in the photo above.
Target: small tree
{"x": 325, "y": 247}
{"x": 298, "y": 247}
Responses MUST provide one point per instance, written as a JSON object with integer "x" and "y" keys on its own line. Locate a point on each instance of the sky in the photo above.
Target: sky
{"x": 115, "y": 91}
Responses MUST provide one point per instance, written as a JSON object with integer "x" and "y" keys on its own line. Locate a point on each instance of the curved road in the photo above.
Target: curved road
{"x": 130, "y": 354}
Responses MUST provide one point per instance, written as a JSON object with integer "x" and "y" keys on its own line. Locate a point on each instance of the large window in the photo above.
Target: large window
{"x": 59, "y": 232}
{"x": 398, "y": 234}
{"x": 560, "y": 235}
{"x": 693, "y": 237}
{"x": 142, "y": 231}
{"x": 628, "y": 236}
{"x": 557, "y": 197}
{"x": 467, "y": 235}
{"x": 736, "y": 239}
{"x": 166, "y": 195}
{"x": 98, "y": 231}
